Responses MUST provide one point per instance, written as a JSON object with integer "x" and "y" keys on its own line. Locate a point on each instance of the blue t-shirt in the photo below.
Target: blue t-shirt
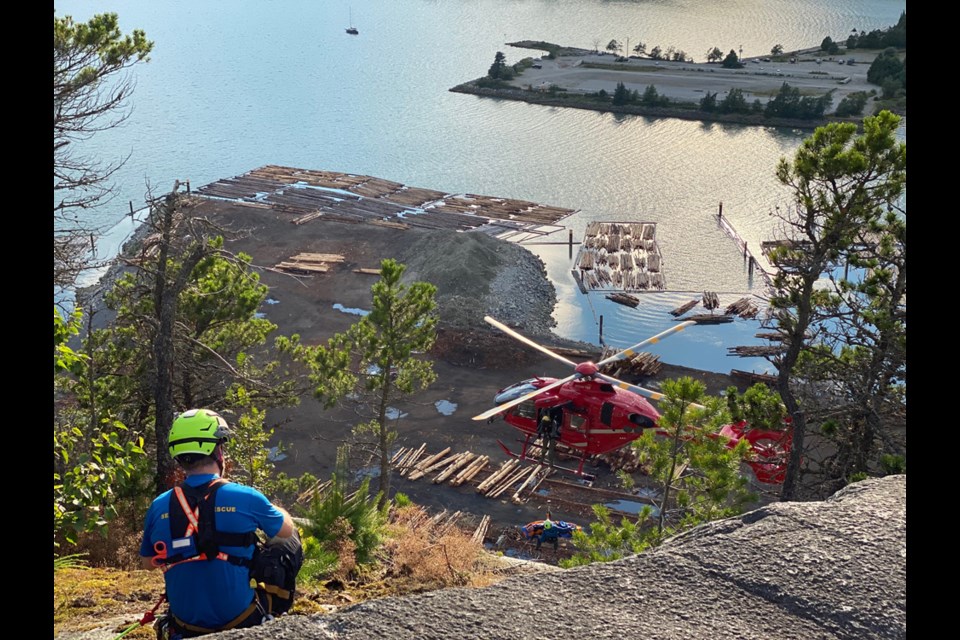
{"x": 212, "y": 593}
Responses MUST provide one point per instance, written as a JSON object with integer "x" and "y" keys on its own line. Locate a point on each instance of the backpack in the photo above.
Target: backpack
{"x": 275, "y": 568}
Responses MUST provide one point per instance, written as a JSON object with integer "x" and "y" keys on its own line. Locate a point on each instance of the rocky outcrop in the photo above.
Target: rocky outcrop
{"x": 832, "y": 569}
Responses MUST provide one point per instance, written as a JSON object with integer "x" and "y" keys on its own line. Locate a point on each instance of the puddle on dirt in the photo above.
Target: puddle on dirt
{"x": 445, "y": 407}
{"x": 259, "y": 315}
{"x": 275, "y": 455}
{"x": 271, "y": 301}
{"x": 629, "y": 506}
{"x": 395, "y": 414}
{"x": 366, "y": 472}
{"x": 356, "y": 312}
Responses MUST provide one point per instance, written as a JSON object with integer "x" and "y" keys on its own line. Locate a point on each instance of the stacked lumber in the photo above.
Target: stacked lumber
{"x": 744, "y": 307}
{"x": 409, "y": 459}
{"x": 494, "y": 479}
{"x": 711, "y": 300}
{"x": 643, "y": 364}
{"x": 520, "y": 476}
{"x": 460, "y": 461}
{"x": 533, "y": 481}
{"x": 317, "y": 488}
{"x": 310, "y": 262}
{"x": 481, "y": 532}
{"x": 509, "y": 474}
{"x": 682, "y": 309}
{"x": 431, "y": 464}
{"x": 307, "y": 218}
{"x": 441, "y": 523}
{"x": 470, "y": 471}
{"x": 625, "y": 458}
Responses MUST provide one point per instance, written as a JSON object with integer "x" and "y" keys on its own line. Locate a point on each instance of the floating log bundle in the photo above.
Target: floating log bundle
{"x": 708, "y": 318}
{"x": 744, "y": 307}
{"x": 753, "y": 377}
{"x": 643, "y": 364}
{"x": 624, "y": 299}
{"x": 682, "y": 309}
{"x": 619, "y": 255}
{"x": 711, "y": 300}
{"x": 754, "y": 351}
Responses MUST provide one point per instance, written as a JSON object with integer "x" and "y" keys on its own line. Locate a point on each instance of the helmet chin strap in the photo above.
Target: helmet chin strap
{"x": 218, "y": 456}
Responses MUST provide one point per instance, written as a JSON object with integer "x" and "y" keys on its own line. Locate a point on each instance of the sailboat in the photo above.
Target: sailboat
{"x": 352, "y": 30}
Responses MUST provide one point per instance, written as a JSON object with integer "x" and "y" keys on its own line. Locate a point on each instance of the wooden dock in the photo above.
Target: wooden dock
{"x": 748, "y": 256}
{"x": 307, "y": 195}
{"x": 619, "y": 256}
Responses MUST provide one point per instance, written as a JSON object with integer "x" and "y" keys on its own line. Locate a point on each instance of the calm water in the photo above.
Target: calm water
{"x": 236, "y": 85}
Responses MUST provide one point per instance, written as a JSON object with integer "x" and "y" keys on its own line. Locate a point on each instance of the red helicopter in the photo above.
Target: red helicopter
{"x": 589, "y": 413}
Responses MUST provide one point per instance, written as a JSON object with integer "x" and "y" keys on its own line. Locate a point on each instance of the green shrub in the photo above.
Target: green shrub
{"x": 347, "y": 524}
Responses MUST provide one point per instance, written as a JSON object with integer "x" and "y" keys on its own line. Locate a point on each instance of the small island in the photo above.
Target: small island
{"x": 803, "y": 89}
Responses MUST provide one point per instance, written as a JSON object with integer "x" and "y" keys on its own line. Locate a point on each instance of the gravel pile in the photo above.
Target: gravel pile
{"x": 477, "y": 275}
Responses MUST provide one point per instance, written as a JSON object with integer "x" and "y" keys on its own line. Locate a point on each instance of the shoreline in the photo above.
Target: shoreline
{"x": 573, "y": 77}
{"x": 520, "y": 95}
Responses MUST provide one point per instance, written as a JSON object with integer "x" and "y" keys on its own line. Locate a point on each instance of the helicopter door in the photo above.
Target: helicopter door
{"x": 606, "y": 413}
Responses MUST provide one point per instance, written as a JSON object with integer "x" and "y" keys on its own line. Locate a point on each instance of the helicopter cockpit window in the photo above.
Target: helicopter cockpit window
{"x": 526, "y": 410}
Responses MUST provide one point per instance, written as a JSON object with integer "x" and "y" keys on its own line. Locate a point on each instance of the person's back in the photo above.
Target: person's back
{"x": 202, "y": 534}
{"x": 211, "y": 593}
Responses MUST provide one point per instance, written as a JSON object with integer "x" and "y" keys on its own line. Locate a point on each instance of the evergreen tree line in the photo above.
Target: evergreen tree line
{"x": 788, "y": 103}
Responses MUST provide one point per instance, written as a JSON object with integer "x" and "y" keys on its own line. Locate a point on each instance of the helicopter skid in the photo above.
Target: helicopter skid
{"x": 523, "y": 457}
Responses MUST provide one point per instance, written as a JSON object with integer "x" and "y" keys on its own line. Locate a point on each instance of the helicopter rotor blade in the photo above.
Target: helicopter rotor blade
{"x": 646, "y": 393}
{"x": 500, "y": 408}
{"x": 629, "y": 352}
{"x": 528, "y": 341}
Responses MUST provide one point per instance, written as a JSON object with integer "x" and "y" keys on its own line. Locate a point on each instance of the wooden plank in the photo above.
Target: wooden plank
{"x": 304, "y": 267}
{"x": 318, "y": 257}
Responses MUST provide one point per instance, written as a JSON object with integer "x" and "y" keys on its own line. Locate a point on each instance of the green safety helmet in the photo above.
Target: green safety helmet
{"x": 547, "y": 524}
{"x": 197, "y": 431}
